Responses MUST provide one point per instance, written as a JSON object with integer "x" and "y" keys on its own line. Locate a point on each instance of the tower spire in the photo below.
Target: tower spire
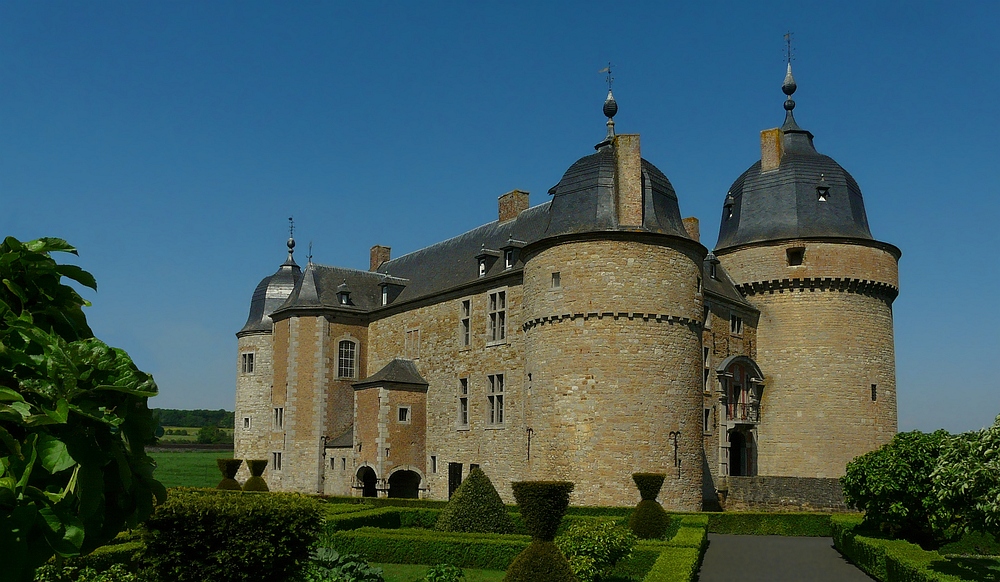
{"x": 610, "y": 108}
{"x": 788, "y": 86}
{"x": 290, "y": 261}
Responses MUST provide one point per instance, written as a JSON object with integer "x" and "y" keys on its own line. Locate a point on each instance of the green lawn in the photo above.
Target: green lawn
{"x": 414, "y": 573}
{"x": 188, "y": 469}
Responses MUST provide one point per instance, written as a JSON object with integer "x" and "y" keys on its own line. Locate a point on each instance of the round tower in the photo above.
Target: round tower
{"x": 795, "y": 239}
{"x": 254, "y": 363}
{"x": 612, "y": 323}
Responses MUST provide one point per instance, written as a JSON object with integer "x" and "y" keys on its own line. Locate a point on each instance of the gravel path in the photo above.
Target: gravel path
{"x": 775, "y": 559}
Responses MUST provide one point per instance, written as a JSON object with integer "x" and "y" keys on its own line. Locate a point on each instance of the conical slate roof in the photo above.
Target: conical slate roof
{"x": 270, "y": 293}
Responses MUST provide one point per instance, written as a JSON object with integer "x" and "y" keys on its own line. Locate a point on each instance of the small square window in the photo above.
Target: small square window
{"x": 795, "y": 256}
{"x": 246, "y": 423}
{"x": 735, "y": 324}
{"x": 276, "y": 461}
{"x": 404, "y": 414}
{"x": 556, "y": 283}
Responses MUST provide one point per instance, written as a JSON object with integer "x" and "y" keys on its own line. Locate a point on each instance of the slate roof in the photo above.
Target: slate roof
{"x": 345, "y": 440}
{"x": 722, "y": 284}
{"x": 270, "y": 293}
{"x": 320, "y": 283}
{"x": 398, "y": 371}
{"x": 784, "y": 203}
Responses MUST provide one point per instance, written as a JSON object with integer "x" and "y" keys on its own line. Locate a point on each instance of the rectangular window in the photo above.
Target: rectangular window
{"x": 874, "y": 392}
{"x": 466, "y": 330}
{"x": 276, "y": 461}
{"x": 434, "y": 464}
{"x": 279, "y": 418}
{"x": 714, "y": 272}
{"x": 508, "y": 259}
{"x": 333, "y": 463}
{"x": 495, "y": 399}
{"x": 708, "y": 421}
{"x": 482, "y": 267}
{"x": 343, "y": 463}
{"x": 404, "y": 414}
{"x": 707, "y": 363}
{"x": 795, "y": 256}
{"x": 556, "y": 282}
{"x": 497, "y": 331}
{"x": 412, "y": 344}
{"x": 385, "y": 295}
{"x": 346, "y": 356}
{"x": 246, "y": 423}
{"x": 735, "y": 324}
{"x": 463, "y": 402}
{"x": 247, "y": 362}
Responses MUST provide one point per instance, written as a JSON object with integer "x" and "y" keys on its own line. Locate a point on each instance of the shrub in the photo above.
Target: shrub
{"x": 213, "y": 435}
{"x": 593, "y": 548}
{"x": 229, "y": 467}
{"x": 541, "y": 561}
{"x": 675, "y": 565}
{"x": 329, "y": 565}
{"x": 231, "y": 537}
{"x": 966, "y": 481}
{"x": 542, "y": 504}
{"x": 475, "y": 507}
{"x": 444, "y": 573}
{"x": 487, "y": 551}
{"x": 892, "y": 485}
{"x": 770, "y": 524}
{"x": 255, "y": 482}
{"x": 649, "y": 521}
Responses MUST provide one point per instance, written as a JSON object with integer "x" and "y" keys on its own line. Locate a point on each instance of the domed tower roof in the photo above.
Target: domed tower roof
{"x": 804, "y": 194}
{"x": 270, "y": 293}
{"x": 586, "y": 199}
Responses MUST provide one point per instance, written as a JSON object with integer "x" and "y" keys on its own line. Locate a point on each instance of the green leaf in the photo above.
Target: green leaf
{"x": 77, "y": 274}
{"x": 48, "y": 244}
{"x": 53, "y": 454}
{"x": 8, "y": 395}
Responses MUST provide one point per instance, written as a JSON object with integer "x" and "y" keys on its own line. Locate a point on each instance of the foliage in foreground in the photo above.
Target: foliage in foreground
{"x": 327, "y": 565}
{"x": 967, "y": 481}
{"x": 593, "y": 548}
{"x": 892, "y": 485}
{"x": 475, "y": 507}
{"x": 73, "y": 418}
{"x": 444, "y": 573}
{"x": 231, "y": 536}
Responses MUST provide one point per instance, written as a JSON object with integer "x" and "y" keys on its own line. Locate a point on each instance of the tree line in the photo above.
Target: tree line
{"x": 194, "y": 418}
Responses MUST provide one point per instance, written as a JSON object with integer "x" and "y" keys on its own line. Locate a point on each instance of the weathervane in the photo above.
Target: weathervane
{"x": 291, "y": 227}
{"x": 610, "y": 78}
{"x": 789, "y": 56}
{"x": 310, "y": 256}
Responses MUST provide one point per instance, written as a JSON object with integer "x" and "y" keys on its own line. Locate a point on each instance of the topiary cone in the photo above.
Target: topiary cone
{"x": 229, "y": 467}
{"x": 256, "y": 482}
{"x": 476, "y": 507}
{"x": 542, "y": 504}
{"x": 649, "y": 520}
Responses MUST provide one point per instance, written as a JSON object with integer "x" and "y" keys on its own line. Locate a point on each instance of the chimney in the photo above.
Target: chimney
{"x": 692, "y": 228}
{"x": 380, "y": 254}
{"x": 513, "y": 203}
{"x": 628, "y": 179}
{"x": 771, "y": 149}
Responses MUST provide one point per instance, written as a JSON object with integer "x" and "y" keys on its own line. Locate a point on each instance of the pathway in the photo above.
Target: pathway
{"x": 775, "y": 559}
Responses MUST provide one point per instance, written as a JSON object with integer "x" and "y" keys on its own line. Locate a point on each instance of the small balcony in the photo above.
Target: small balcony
{"x": 743, "y": 413}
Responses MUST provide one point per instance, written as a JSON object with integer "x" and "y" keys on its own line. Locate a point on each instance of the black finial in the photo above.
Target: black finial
{"x": 291, "y": 242}
{"x": 309, "y": 257}
{"x": 610, "y": 108}
{"x": 788, "y": 86}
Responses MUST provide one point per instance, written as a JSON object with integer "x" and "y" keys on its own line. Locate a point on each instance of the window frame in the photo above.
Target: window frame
{"x": 735, "y": 324}
{"x": 496, "y": 319}
{"x": 278, "y": 417}
{"x": 462, "y": 413}
{"x": 353, "y": 359}
{"x": 496, "y": 401}
{"x": 465, "y": 323}
{"x": 411, "y": 343}
{"x": 275, "y": 460}
{"x": 404, "y": 411}
{"x": 247, "y": 363}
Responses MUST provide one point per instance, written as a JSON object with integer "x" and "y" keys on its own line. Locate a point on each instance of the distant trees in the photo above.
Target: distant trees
{"x": 195, "y": 418}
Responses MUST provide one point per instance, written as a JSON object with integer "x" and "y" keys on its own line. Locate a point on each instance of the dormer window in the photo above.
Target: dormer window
{"x": 486, "y": 258}
{"x": 508, "y": 259}
{"x": 343, "y": 294}
{"x": 728, "y": 206}
{"x": 822, "y": 189}
{"x": 482, "y": 267}
{"x": 385, "y": 295}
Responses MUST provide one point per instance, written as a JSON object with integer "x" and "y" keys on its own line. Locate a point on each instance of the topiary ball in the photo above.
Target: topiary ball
{"x": 229, "y": 467}
{"x": 475, "y": 507}
{"x": 541, "y": 561}
{"x": 543, "y": 504}
{"x": 649, "y": 484}
{"x": 649, "y": 521}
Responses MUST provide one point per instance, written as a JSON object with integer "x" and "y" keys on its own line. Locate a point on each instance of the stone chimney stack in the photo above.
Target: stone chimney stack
{"x": 771, "y": 149}
{"x": 628, "y": 179}
{"x": 693, "y": 229}
{"x": 512, "y": 203}
{"x": 380, "y": 254}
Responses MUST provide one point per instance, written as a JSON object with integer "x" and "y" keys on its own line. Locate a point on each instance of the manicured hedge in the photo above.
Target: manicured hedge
{"x": 890, "y": 560}
{"x": 387, "y": 501}
{"x": 689, "y": 537}
{"x": 127, "y": 554}
{"x": 675, "y": 565}
{"x": 231, "y": 537}
{"x": 475, "y": 507}
{"x": 413, "y": 546}
{"x": 770, "y": 524}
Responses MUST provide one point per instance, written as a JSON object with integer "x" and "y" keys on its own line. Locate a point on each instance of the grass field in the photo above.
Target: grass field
{"x": 415, "y": 573}
{"x": 188, "y": 469}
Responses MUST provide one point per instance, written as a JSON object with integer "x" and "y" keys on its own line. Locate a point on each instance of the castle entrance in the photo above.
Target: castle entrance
{"x": 405, "y": 484}
{"x": 366, "y": 476}
{"x": 742, "y": 453}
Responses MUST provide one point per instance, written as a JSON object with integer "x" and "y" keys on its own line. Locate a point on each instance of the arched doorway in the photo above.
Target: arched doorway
{"x": 366, "y": 476}
{"x": 737, "y": 453}
{"x": 405, "y": 484}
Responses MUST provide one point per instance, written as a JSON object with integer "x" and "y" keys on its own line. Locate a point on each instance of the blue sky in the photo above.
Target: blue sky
{"x": 170, "y": 142}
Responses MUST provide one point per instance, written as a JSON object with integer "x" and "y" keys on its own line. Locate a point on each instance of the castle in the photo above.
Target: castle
{"x": 588, "y": 338}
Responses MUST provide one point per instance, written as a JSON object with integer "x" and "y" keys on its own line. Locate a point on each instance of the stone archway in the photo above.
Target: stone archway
{"x": 405, "y": 484}
{"x": 367, "y": 479}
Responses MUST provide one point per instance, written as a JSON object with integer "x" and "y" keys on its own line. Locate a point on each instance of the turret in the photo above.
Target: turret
{"x": 795, "y": 239}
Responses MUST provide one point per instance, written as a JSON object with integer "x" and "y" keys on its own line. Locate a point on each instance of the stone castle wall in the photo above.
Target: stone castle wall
{"x": 253, "y": 401}
{"x": 614, "y": 357}
{"x": 821, "y": 349}
{"x": 783, "y": 494}
{"x": 443, "y": 359}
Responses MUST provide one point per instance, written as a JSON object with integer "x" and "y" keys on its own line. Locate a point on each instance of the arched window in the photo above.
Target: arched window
{"x": 346, "y": 358}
